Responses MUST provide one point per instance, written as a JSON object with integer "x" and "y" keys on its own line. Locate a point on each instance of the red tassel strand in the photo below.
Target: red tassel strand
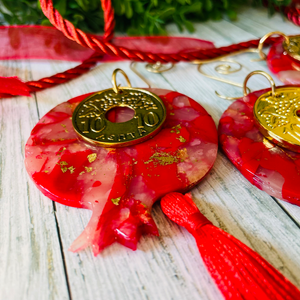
{"x": 238, "y": 271}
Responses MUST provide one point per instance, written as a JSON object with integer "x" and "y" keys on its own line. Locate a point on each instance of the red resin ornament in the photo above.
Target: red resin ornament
{"x": 120, "y": 185}
{"x": 269, "y": 167}
{"x": 284, "y": 66}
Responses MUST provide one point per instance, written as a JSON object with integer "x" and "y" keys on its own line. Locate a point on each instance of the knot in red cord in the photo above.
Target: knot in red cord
{"x": 195, "y": 221}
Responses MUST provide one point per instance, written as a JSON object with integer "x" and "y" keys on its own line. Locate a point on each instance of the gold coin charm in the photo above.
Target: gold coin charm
{"x": 277, "y": 117}
{"x": 292, "y": 46}
{"x": 277, "y": 112}
{"x": 90, "y": 122}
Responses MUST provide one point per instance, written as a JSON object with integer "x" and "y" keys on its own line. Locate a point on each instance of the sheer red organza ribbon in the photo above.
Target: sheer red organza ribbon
{"x": 43, "y": 42}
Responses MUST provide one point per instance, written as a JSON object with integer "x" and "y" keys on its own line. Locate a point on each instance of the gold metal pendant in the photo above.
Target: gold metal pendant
{"x": 292, "y": 47}
{"x": 90, "y": 122}
{"x": 277, "y": 114}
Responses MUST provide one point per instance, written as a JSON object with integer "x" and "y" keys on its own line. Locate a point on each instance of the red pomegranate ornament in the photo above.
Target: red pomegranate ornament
{"x": 120, "y": 175}
{"x": 283, "y": 58}
{"x": 260, "y": 134}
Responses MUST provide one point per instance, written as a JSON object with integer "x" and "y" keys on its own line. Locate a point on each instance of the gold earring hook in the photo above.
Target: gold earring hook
{"x": 158, "y": 67}
{"x": 114, "y": 80}
{"x": 261, "y": 54}
{"x": 133, "y": 69}
{"x": 269, "y": 77}
{"x": 224, "y": 69}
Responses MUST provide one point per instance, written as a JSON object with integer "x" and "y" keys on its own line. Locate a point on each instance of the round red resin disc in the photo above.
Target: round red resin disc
{"x": 120, "y": 184}
{"x": 269, "y": 167}
{"x": 283, "y": 65}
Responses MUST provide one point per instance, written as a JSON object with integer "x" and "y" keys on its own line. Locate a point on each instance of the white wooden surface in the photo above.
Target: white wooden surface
{"x": 35, "y": 233}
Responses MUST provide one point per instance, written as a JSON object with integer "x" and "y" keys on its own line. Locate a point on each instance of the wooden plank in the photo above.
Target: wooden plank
{"x": 31, "y": 259}
{"x": 258, "y": 23}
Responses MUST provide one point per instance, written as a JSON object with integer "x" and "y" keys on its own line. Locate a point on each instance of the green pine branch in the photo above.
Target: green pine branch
{"x": 136, "y": 17}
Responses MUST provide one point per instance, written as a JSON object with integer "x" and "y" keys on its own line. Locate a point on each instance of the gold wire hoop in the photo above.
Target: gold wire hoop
{"x": 266, "y": 75}
{"x": 224, "y": 69}
{"x": 158, "y": 67}
{"x": 114, "y": 80}
{"x": 265, "y": 37}
{"x": 134, "y": 70}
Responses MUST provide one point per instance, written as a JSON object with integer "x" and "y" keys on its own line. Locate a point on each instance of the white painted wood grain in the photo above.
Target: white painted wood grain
{"x": 30, "y": 255}
{"x": 168, "y": 267}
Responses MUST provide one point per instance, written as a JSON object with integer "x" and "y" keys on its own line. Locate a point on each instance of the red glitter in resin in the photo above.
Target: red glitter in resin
{"x": 271, "y": 168}
{"x": 283, "y": 65}
{"x": 121, "y": 185}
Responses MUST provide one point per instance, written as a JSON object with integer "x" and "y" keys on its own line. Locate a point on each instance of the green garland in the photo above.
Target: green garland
{"x": 136, "y": 17}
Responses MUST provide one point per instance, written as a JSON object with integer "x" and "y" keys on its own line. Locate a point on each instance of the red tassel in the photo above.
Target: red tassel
{"x": 239, "y": 272}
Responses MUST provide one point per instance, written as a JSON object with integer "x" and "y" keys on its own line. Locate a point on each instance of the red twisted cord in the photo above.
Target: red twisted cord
{"x": 60, "y": 78}
{"x": 85, "y": 66}
{"x": 109, "y": 19}
{"x": 104, "y": 47}
{"x": 293, "y": 15}
{"x": 68, "y": 29}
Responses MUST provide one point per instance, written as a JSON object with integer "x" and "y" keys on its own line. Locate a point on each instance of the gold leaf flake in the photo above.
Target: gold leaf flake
{"x": 182, "y": 154}
{"x": 64, "y": 169}
{"x": 88, "y": 169}
{"x": 181, "y": 139}
{"x": 116, "y": 201}
{"x": 71, "y": 169}
{"x": 63, "y": 163}
{"x": 63, "y": 125}
{"x": 60, "y": 151}
{"x": 176, "y": 129}
{"x": 81, "y": 173}
{"x": 164, "y": 158}
{"x": 92, "y": 157}
{"x": 46, "y": 171}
